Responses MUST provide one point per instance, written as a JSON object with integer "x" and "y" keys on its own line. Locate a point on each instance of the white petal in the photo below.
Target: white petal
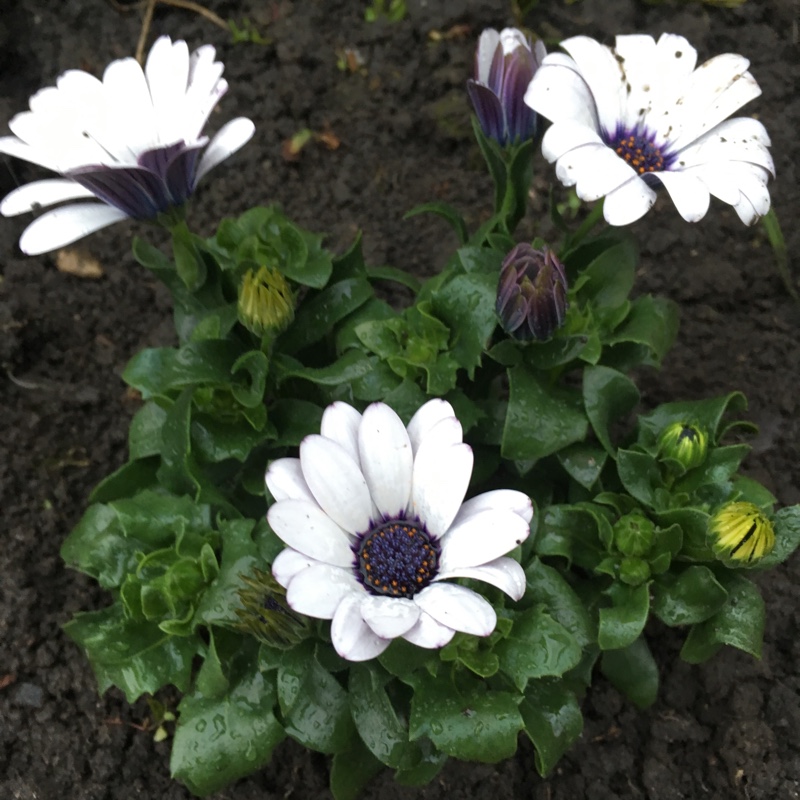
{"x": 429, "y": 633}
{"x": 41, "y": 193}
{"x": 205, "y": 89}
{"x": 561, "y": 137}
{"x": 457, "y": 607}
{"x": 716, "y": 89}
{"x": 307, "y": 529}
{"x": 440, "y": 480}
{"x": 289, "y": 563}
{"x": 340, "y": 422}
{"x": 482, "y": 537}
{"x": 389, "y": 617}
{"x": 336, "y": 482}
{"x": 629, "y": 202}
{"x": 352, "y": 638}
{"x": 497, "y": 500}
{"x": 12, "y": 146}
{"x": 427, "y": 416}
{"x": 746, "y": 211}
{"x": 386, "y": 459}
{"x": 559, "y": 93}
{"x": 318, "y": 590}
{"x": 688, "y": 192}
{"x": 130, "y": 109}
{"x": 605, "y": 77}
{"x": 230, "y": 137}
{"x": 595, "y": 170}
{"x": 285, "y": 481}
{"x": 504, "y": 573}
{"x": 487, "y": 44}
{"x": 739, "y": 139}
{"x": 65, "y": 225}
{"x": 167, "y": 72}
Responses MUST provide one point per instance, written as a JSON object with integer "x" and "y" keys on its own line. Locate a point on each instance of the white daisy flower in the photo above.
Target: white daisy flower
{"x": 132, "y": 141}
{"x": 629, "y": 119}
{"x": 373, "y": 517}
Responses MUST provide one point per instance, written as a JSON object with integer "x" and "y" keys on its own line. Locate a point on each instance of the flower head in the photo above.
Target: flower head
{"x": 741, "y": 533}
{"x": 685, "y": 443}
{"x": 266, "y": 302}
{"x": 133, "y": 141}
{"x": 637, "y": 116}
{"x": 532, "y": 293}
{"x": 373, "y": 517}
{"x": 504, "y": 66}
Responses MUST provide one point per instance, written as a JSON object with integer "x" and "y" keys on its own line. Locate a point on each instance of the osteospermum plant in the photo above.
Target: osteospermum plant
{"x": 397, "y": 535}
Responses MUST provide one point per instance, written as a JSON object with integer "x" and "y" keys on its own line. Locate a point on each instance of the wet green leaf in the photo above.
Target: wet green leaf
{"x": 352, "y": 770}
{"x": 633, "y": 671}
{"x": 608, "y": 397}
{"x": 689, "y": 597}
{"x": 553, "y": 721}
{"x": 623, "y": 622}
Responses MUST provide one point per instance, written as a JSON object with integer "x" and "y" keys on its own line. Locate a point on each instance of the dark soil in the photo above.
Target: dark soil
{"x": 728, "y": 729}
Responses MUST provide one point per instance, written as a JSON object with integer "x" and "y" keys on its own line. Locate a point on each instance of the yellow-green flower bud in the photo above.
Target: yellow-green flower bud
{"x": 741, "y": 532}
{"x": 685, "y": 443}
{"x": 266, "y": 303}
{"x": 265, "y": 613}
{"x": 633, "y": 534}
{"x": 634, "y": 571}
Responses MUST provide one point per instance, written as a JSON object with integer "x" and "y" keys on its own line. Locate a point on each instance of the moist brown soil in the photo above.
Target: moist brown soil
{"x": 727, "y": 729}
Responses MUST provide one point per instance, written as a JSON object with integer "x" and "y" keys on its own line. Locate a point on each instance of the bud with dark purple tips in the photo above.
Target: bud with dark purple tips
{"x": 505, "y": 64}
{"x": 532, "y": 294}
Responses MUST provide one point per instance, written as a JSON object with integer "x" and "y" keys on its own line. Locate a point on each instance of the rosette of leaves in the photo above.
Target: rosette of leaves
{"x": 644, "y": 536}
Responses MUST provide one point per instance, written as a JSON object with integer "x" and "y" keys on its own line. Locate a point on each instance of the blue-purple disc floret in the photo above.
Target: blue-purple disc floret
{"x": 163, "y": 180}
{"x": 641, "y": 149}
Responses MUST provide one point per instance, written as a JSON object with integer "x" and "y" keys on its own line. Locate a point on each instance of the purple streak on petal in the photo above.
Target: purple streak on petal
{"x": 497, "y": 70}
{"x": 488, "y": 109}
{"x": 136, "y": 192}
{"x": 520, "y": 118}
{"x": 158, "y": 159}
{"x": 181, "y": 175}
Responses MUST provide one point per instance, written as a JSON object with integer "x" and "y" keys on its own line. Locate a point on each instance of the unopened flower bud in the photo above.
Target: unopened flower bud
{"x": 266, "y": 302}
{"x": 685, "y": 443}
{"x": 634, "y": 571}
{"x": 633, "y": 534}
{"x": 505, "y": 64}
{"x": 741, "y": 532}
{"x": 532, "y": 293}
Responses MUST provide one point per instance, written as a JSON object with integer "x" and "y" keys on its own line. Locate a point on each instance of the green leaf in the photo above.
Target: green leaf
{"x": 689, "y": 597}
{"x": 144, "y": 436}
{"x": 652, "y": 322}
{"x": 315, "y": 708}
{"x": 394, "y": 275}
{"x": 623, "y": 622}
{"x": 129, "y": 479}
{"x": 447, "y": 213}
{"x": 571, "y": 533}
{"x": 374, "y": 716}
{"x": 608, "y": 396}
{"x": 240, "y": 557}
{"x": 480, "y": 259}
{"x": 467, "y": 306}
{"x": 426, "y": 764}
{"x": 537, "y": 647}
{"x": 474, "y": 724}
{"x": 694, "y": 525}
{"x": 640, "y": 475}
{"x": 317, "y": 315}
{"x": 219, "y": 740}
{"x": 352, "y": 770}
{"x": 786, "y": 524}
{"x": 294, "y": 420}
{"x": 739, "y": 623}
{"x": 540, "y": 419}
{"x": 189, "y": 262}
{"x": 136, "y": 657}
{"x": 607, "y": 281}
{"x": 546, "y": 585}
{"x": 553, "y": 721}
{"x": 633, "y": 671}
{"x": 349, "y": 367}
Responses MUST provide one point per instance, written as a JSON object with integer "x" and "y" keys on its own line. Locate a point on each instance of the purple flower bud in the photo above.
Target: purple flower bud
{"x": 532, "y": 294}
{"x": 505, "y": 64}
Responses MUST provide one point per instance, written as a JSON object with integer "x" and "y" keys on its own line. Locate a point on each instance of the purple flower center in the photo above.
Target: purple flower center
{"x": 397, "y": 559}
{"x": 164, "y": 178}
{"x": 640, "y": 150}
